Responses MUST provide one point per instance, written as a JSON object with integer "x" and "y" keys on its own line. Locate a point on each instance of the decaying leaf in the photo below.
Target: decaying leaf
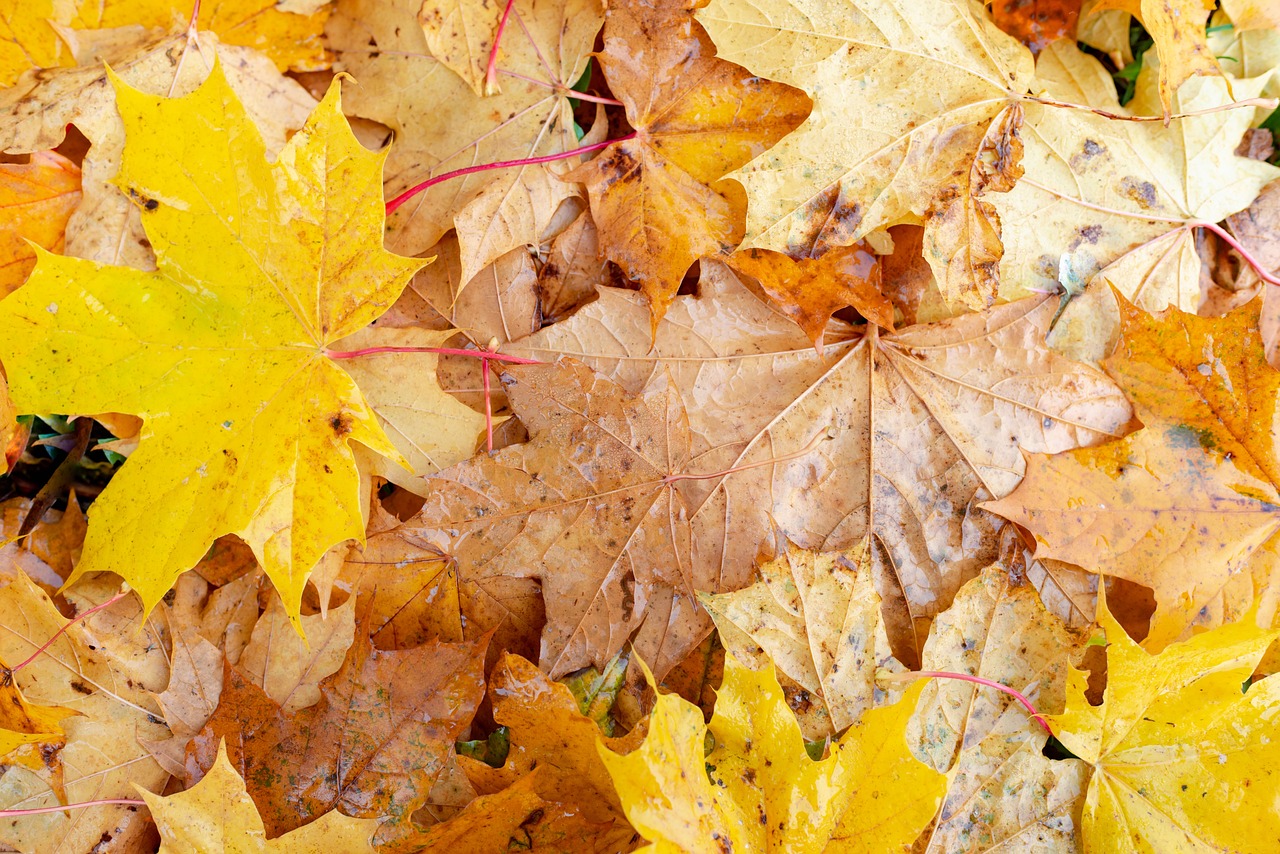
{"x": 919, "y": 151}
{"x": 817, "y": 618}
{"x": 657, "y": 199}
{"x": 982, "y": 739}
{"x": 371, "y": 748}
{"x": 217, "y": 814}
{"x": 1188, "y": 505}
{"x": 207, "y": 444}
{"x": 758, "y": 790}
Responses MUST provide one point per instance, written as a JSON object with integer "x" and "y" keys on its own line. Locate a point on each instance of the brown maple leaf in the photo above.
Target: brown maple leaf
{"x": 657, "y": 199}
{"x": 371, "y": 748}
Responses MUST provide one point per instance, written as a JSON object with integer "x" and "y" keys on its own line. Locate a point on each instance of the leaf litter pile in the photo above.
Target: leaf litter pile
{"x": 782, "y": 426}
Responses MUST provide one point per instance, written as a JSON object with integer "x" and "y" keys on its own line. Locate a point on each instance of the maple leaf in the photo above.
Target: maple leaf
{"x": 586, "y": 508}
{"x": 289, "y": 667}
{"x": 1177, "y": 28}
{"x": 1188, "y": 505}
{"x": 982, "y": 739}
{"x": 921, "y": 150}
{"x": 656, "y": 199}
{"x": 32, "y": 34}
{"x": 217, "y": 814}
{"x": 103, "y": 673}
{"x": 1115, "y": 196}
{"x": 460, "y": 34}
{"x": 1255, "y": 228}
{"x": 548, "y": 41}
{"x": 809, "y": 291}
{"x": 22, "y": 723}
{"x": 371, "y": 748}
{"x": 817, "y": 618}
{"x": 757, "y": 789}
{"x": 35, "y": 114}
{"x": 552, "y": 739}
{"x": 36, "y": 199}
{"x": 223, "y": 351}
{"x": 1183, "y": 759}
{"x": 947, "y": 404}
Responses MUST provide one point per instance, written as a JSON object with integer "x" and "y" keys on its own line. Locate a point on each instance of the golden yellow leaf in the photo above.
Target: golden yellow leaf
{"x": 1183, "y": 759}
{"x": 941, "y": 74}
{"x": 758, "y": 790}
{"x": 223, "y": 351}
{"x": 460, "y": 34}
{"x": 23, "y": 723}
{"x": 217, "y": 814}
{"x": 30, "y": 38}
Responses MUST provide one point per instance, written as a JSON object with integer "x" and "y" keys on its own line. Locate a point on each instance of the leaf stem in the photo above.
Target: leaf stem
{"x": 502, "y": 164}
{"x": 491, "y": 72}
{"x": 78, "y": 618}
{"x": 1266, "y": 103}
{"x": 488, "y": 408}
{"x": 1239, "y": 247}
{"x": 443, "y": 351}
{"x": 130, "y": 802}
{"x": 966, "y": 677}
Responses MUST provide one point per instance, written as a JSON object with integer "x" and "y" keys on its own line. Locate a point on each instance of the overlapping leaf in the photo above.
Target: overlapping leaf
{"x": 222, "y": 351}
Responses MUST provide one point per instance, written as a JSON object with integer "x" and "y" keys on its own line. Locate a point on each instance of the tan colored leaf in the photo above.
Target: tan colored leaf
{"x": 195, "y": 684}
{"x": 1002, "y": 792}
{"x": 441, "y": 124}
{"x": 92, "y": 674}
{"x": 907, "y": 97}
{"x": 287, "y": 666}
{"x": 1114, "y": 196}
{"x": 817, "y": 618}
{"x": 460, "y": 34}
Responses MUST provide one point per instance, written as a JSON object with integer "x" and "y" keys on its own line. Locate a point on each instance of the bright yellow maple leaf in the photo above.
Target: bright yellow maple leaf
{"x": 758, "y": 790}
{"x": 1183, "y": 760}
{"x": 29, "y": 37}
{"x": 217, "y": 814}
{"x": 222, "y": 350}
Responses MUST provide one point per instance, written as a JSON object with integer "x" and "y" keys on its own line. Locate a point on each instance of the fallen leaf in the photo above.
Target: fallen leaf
{"x": 460, "y": 34}
{"x": 585, "y": 508}
{"x": 757, "y": 789}
{"x": 1177, "y": 28}
{"x": 1252, "y": 14}
{"x": 217, "y": 814}
{"x": 371, "y": 748}
{"x": 250, "y": 275}
{"x": 93, "y": 674}
{"x": 657, "y": 199}
{"x": 1255, "y": 228}
{"x": 942, "y": 74}
{"x": 1036, "y": 23}
{"x": 30, "y": 36}
{"x": 810, "y": 290}
{"x": 195, "y": 686}
{"x": 573, "y": 270}
{"x": 986, "y": 743}
{"x": 289, "y": 667}
{"x": 817, "y": 618}
{"x": 1182, "y": 756}
{"x": 452, "y": 127}
{"x": 551, "y": 735}
{"x": 36, "y": 200}
{"x": 1115, "y": 196}
{"x": 22, "y": 723}
{"x": 1186, "y": 505}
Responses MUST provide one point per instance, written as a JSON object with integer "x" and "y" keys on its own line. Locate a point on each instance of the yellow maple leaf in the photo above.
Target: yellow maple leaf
{"x": 1182, "y": 759}
{"x": 758, "y": 790}
{"x": 222, "y": 350}
{"x": 24, "y": 723}
{"x": 217, "y": 814}
{"x": 30, "y": 36}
